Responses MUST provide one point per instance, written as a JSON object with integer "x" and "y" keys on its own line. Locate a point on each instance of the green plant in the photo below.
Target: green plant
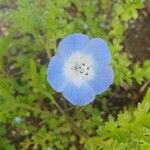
{"x": 131, "y": 130}
{"x": 47, "y": 121}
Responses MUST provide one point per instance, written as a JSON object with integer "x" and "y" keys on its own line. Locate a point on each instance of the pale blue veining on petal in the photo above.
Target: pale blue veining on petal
{"x": 55, "y": 75}
{"x": 79, "y": 95}
{"x": 103, "y": 79}
{"x": 98, "y": 48}
{"x": 72, "y": 43}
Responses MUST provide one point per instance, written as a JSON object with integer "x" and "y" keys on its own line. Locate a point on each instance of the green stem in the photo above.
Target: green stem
{"x": 78, "y": 130}
{"x": 78, "y": 111}
{"x": 44, "y": 45}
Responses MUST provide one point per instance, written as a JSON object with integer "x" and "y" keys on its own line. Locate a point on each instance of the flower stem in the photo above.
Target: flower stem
{"x": 78, "y": 111}
{"x": 75, "y": 128}
{"x": 78, "y": 130}
{"x": 44, "y": 45}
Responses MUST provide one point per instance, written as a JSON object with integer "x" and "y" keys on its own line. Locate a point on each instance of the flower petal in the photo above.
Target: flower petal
{"x": 102, "y": 80}
{"x": 72, "y": 43}
{"x": 79, "y": 95}
{"x": 99, "y": 50}
{"x": 55, "y": 75}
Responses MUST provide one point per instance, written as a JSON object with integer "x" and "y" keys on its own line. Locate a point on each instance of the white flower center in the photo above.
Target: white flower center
{"x": 79, "y": 68}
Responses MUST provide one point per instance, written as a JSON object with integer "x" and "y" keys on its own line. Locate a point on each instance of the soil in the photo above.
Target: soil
{"x": 137, "y": 43}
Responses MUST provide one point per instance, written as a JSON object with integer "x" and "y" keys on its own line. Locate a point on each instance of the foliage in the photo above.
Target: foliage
{"x": 4, "y": 142}
{"x": 130, "y": 131}
{"x": 47, "y": 121}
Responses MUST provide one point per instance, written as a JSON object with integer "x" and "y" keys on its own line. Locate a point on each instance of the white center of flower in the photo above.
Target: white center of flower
{"x": 79, "y": 68}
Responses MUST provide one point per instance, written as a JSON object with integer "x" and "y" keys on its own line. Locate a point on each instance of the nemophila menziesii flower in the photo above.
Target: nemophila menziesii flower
{"x": 81, "y": 68}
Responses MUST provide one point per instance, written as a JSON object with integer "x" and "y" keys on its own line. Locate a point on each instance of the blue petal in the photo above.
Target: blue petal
{"x": 103, "y": 79}
{"x": 79, "y": 95}
{"x": 72, "y": 43}
{"x": 99, "y": 50}
{"x": 55, "y": 75}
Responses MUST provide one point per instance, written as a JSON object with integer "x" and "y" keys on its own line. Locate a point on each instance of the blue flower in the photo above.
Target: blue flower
{"x": 81, "y": 68}
{"x": 102, "y": 25}
{"x": 18, "y": 120}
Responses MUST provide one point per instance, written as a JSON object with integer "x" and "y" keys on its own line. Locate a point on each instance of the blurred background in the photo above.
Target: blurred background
{"x": 32, "y": 115}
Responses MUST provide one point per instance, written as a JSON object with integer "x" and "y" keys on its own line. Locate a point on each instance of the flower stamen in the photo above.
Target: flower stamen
{"x": 82, "y": 64}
